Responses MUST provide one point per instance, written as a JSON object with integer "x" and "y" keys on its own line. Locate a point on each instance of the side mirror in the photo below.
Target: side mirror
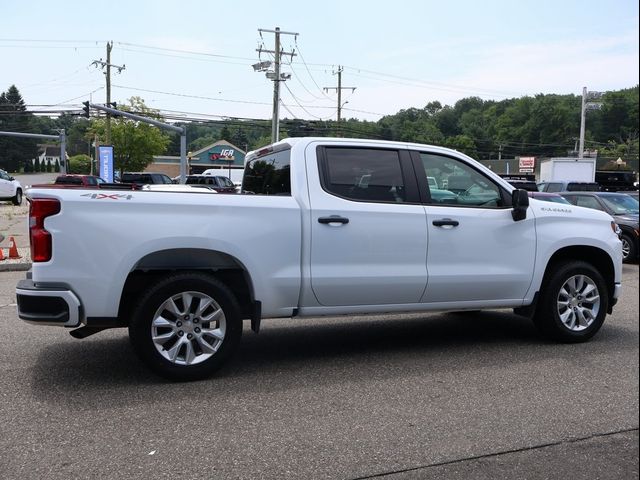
{"x": 520, "y": 202}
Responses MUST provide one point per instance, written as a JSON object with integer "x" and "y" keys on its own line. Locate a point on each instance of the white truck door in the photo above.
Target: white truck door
{"x": 368, "y": 228}
{"x": 476, "y": 251}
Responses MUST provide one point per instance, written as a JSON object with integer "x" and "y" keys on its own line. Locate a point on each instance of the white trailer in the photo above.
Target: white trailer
{"x": 568, "y": 169}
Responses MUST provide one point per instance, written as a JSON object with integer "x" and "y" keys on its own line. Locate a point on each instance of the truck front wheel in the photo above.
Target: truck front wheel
{"x": 186, "y": 326}
{"x": 629, "y": 249}
{"x": 573, "y": 302}
{"x": 17, "y": 198}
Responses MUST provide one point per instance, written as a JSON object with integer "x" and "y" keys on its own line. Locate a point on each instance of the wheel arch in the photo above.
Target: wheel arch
{"x": 595, "y": 256}
{"x": 153, "y": 266}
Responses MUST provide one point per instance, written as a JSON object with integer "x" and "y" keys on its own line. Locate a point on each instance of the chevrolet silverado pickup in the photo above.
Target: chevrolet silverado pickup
{"x": 323, "y": 226}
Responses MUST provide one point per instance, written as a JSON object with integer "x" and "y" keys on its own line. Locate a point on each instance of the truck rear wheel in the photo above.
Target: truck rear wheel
{"x": 573, "y": 303}
{"x": 186, "y": 326}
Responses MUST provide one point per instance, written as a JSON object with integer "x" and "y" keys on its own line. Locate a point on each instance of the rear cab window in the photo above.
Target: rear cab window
{"x": 268, "y": 171}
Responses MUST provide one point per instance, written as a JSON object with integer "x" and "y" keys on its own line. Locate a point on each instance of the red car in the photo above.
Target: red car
{"x": 86, "y": 181}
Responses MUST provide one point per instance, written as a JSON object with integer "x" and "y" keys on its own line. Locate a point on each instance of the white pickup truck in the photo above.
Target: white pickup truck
{"x": 323, "y": 226}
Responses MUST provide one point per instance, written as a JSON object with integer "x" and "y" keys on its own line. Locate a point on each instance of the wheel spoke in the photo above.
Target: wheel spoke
{"x": 190, "y": 354}
{"x": 171, "y": 306}
{"x": 161, "y": 338}
{"x": 567, "y": 317}
{"x": 214, "y": 332}
{"x": 212, "y": 317}
{"x": 172, "y": 353}
{"x": 204, "y": 304}
{"x": 187, "y": 301}
{"x": 161, "y": 322}
{"x": 205, "y": 346}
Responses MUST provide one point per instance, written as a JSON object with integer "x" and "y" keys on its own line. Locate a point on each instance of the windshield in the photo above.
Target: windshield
{"x": 621, "y": 204}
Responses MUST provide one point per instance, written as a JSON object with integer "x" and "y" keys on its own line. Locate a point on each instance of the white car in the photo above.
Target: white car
{"x": 10, "y": 188}
{"x": 172, "y": 187}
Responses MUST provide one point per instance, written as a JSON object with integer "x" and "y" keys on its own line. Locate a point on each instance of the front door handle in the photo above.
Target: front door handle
{"x": 445, "y": 222}
{"x": 333, "y": 219}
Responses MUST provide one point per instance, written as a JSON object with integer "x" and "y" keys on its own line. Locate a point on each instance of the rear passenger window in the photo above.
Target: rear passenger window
{"x": 364, "y": 174}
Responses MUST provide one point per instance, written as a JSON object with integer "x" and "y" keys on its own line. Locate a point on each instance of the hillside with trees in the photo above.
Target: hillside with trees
{"x": 542, "y": 125}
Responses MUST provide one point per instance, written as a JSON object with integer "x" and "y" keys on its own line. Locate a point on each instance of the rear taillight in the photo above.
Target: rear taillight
{"x": 40, "y": 239}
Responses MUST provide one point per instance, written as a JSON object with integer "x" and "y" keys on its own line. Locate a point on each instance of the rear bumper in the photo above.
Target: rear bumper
{"x": 48, "y": 304}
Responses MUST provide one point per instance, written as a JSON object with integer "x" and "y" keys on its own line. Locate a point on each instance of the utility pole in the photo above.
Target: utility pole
{"x": 589, "y": 102}
{"x": 276, "y": 76}
{"x": 339, "y": 89}
{"x": 107, "y": 65}
{"x": 583, "y": 111}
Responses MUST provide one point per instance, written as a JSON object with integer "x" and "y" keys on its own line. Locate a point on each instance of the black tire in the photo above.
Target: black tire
{"x": 555, "y": 294}
{"x": 630, "y": 248}
{"x": 202, "y": 353}
{"x": 17, "y": 199}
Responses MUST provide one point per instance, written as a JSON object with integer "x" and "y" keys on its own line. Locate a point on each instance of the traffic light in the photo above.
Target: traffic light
{"x": 85, "y": 109}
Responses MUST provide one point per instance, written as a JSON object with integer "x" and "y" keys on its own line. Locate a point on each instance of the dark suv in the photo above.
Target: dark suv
{"x": 144, "y": 178}
{"x": 624, "y": 210}
{"x": 219, "y": 183}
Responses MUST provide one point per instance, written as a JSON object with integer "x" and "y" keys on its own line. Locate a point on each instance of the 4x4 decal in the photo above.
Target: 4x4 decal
{"x": 108, "y": 196}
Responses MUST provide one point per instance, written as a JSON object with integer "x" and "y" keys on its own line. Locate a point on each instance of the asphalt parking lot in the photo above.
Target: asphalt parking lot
{"x": 402, "y": 397}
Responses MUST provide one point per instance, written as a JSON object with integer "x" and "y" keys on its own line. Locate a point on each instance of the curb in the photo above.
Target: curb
{"x": 21, "y": 264}
{"x": 14, "y": 267}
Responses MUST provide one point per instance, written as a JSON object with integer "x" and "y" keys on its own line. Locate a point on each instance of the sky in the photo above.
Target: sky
{"x": 193, "y": 59}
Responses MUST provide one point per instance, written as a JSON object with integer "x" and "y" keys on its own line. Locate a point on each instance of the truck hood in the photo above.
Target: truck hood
{"x": 549, "y": 209}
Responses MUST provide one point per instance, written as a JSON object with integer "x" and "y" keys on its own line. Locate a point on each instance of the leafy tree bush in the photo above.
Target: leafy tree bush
{"x": 80, "y": 164}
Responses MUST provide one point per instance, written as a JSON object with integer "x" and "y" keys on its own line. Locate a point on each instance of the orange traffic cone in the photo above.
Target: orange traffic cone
{"x": 13, "y": 249}
{"x": 1, "y": 254}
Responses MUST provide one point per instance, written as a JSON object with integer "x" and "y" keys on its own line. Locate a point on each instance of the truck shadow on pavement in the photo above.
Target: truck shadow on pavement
{"x": 288, "y": 353}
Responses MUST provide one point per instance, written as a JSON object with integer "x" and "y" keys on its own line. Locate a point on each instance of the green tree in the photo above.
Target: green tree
{"x": 134, "y": 143}
{"x": 15, "y": 151}
{"x": 80, "y": 164}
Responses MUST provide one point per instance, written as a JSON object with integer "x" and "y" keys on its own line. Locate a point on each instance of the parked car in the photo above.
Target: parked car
{"x": 219, "y": 183}
{"x": 622, "y": 207}
{"x": 143, "y": 178}
{"x": 173, "y": 187}
{"x": 568, "y": 186}
{"x": 523, "y": 182}
{"x": 549, "y": 197}
{"x": 87, "y": 181}
{"x": 10, "y": 188}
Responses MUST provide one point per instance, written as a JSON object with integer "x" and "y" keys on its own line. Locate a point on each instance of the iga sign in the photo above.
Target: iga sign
{"x": 527, "y": 164}
{"x": 225, "y": 154}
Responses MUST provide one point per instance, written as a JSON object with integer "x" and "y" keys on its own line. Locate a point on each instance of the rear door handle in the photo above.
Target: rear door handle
{"x": 333, "y": 219}
{"x": 445, "y": 222}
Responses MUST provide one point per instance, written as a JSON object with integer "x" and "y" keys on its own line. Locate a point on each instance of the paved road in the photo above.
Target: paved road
{"x": 421, "y": 396}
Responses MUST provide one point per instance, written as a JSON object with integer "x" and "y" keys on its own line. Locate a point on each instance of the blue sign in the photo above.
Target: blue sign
{"x": 105, "y": 154}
